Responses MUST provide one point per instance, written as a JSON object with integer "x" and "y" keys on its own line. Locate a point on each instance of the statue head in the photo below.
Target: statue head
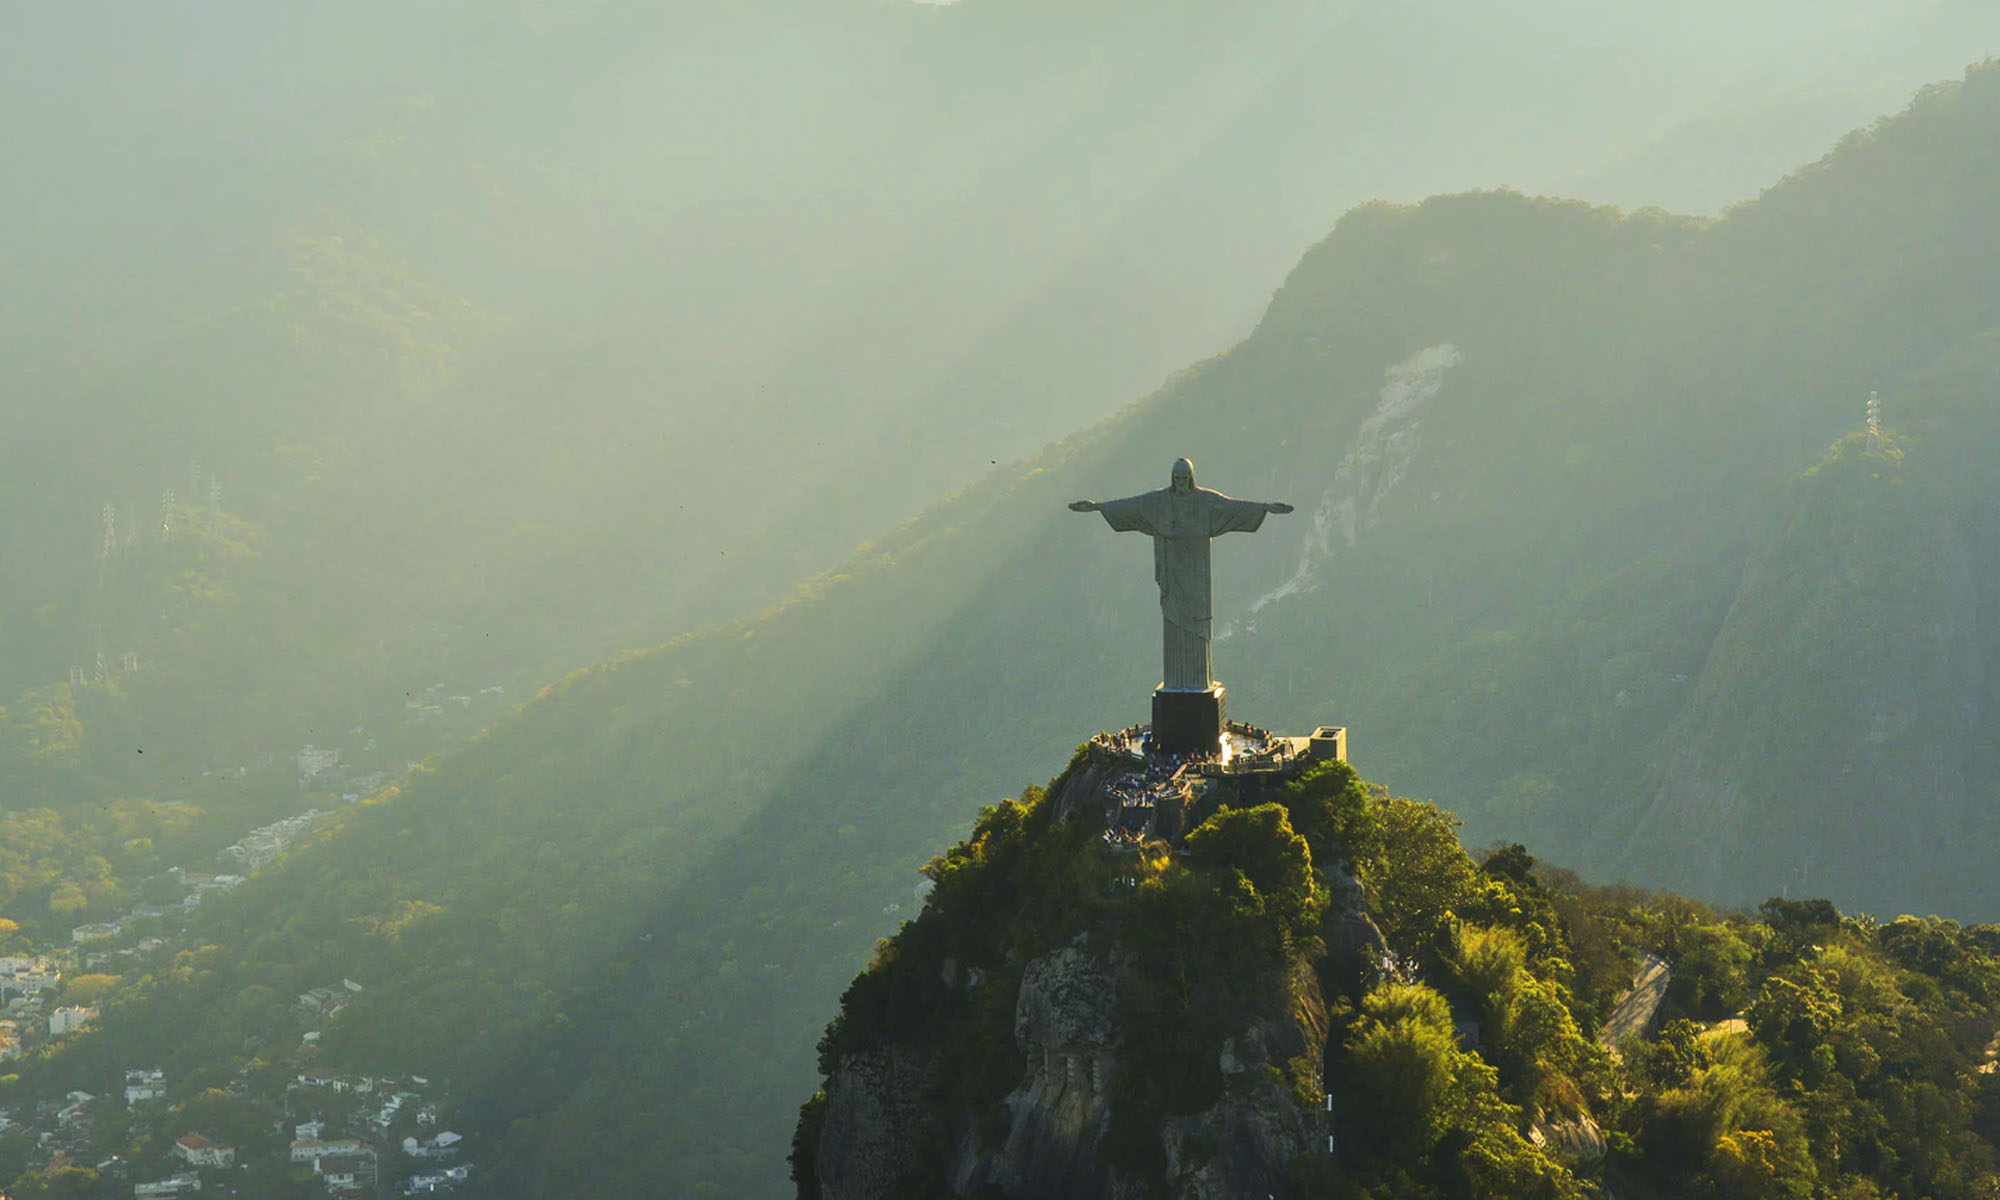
{"x": 1183, "y": 475}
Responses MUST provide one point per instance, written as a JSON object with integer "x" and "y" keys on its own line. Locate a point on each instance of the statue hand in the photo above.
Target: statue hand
{"x": 1278, "y": 506}
{"x": 1083, "y": 506}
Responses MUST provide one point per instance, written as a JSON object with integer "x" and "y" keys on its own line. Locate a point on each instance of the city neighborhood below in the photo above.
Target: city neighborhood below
{"x": 296, "y": 1128}
{"x": 345, "y": 1135}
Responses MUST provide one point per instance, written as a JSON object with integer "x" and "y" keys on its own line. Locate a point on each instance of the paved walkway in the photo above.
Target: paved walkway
{"x": 1637, "y": 1007}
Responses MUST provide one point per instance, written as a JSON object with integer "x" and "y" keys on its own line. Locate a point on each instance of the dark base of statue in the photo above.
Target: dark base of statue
{"x": 1187, "y": 722}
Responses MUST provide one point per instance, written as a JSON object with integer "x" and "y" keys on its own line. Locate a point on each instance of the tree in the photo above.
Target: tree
{"x": 1260, "y": 843}
{"x": 1407, "y": 1066}
{"x": 86, "y": 990}
{"x": 1429, "y": 1105}
{"x": 1795, "y": 1011}
{"x": 63, "y": 1183}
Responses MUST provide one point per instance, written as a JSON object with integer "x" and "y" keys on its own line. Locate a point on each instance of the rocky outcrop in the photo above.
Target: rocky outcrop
{"x": 1081, "y": 792}
{"x": 1244, "y": 1144}
{"x": 1574, "y": 1141}
{"x": 1358, "y": 950}
{"x": 874, "y": 1117}
{"x": 1067, "y": 1027}
{"x": 1098, "y": 1110}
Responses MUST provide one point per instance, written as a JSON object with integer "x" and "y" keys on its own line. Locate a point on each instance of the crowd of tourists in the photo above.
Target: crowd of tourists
{"x": 1139, "y": 794}
{"x": 1249, "y": 745}
{"x": 1129, "y": 740}
{"x": 1140, "y": 791}
{"x": 1257, "y": 745}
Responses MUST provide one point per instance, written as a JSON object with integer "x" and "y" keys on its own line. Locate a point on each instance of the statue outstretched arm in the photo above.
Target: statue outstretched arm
{"x": 1227, "y": 515}
{"x": 1132, "y": 514}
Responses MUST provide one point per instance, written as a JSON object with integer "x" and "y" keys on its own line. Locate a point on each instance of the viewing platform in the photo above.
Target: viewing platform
{"x": 1246, "y": 749}
{"x": 1146, "y": 795}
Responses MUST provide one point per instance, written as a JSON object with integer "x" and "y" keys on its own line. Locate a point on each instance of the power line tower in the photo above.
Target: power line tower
{"x": 166, "y": 516}
{"x": 1874, "y": 422}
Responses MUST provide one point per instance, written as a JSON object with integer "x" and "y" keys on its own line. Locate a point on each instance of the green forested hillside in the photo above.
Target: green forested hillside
{"x": 1490, "y": 1052}
{"x": 1566, "y": 506}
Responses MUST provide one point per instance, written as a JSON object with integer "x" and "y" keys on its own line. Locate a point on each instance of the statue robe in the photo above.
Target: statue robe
{"x": 1181, "y": 524}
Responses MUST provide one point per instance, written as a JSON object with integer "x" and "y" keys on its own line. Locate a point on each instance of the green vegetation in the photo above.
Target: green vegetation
{"x": 1799, "y": 1053}
{"x": 1205, "y": 940}
{"x": 1864, "y": 1069}
{"x": 1215, "y": 937}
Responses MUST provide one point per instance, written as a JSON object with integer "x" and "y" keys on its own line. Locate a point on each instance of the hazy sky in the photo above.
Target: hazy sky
{"x": 769, "y": 246}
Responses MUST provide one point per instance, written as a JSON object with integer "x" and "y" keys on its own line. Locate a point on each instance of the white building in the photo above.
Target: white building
{"x": 338, "y": 1171}
{"x": 311, "y": 1150}
{"x": 28, "y": 976}
{"x": 438, "y": 1181}
{"x": 198, "y": 1151}
{"x": 312, "y": 761}
{"x": 63, "y": 1020}
{"x": 320, "y": 1002}
{"x": 172, "y": 1185}
{"x": 144, "y": 1085}
{"x": 444, "y": 1145}
{"x": 343, "y": 1173}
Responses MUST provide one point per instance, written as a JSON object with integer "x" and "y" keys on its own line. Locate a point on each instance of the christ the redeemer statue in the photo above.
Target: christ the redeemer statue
{"x": 1181, "y": 519}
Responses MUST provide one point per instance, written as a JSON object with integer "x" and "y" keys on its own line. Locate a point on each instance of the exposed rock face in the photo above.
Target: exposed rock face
{"x": 1066, "y": 1025}
{"x": 1068, "y": 1028}
{"x": 1067, "y": 1011}
{"x": 1242, "y": 1146}
{"x": 1081, "y": 793}
{"x": 1358, "y": 948}
{"x": 1575, "y": 1141}
{"x": 874, "y": 1114}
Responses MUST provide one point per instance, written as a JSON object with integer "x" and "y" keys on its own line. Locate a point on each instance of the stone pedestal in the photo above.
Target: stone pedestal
{"x": 1187, "y": 722}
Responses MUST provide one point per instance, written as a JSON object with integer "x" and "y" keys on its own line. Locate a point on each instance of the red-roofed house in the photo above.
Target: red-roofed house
{"x": 198, "y": 1151}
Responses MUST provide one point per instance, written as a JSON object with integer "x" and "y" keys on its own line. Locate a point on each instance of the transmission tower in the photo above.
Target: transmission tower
{"x": 110, "y": 546}
{"x": 1874, "y": 422}
{"x": 167, "y": 516}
